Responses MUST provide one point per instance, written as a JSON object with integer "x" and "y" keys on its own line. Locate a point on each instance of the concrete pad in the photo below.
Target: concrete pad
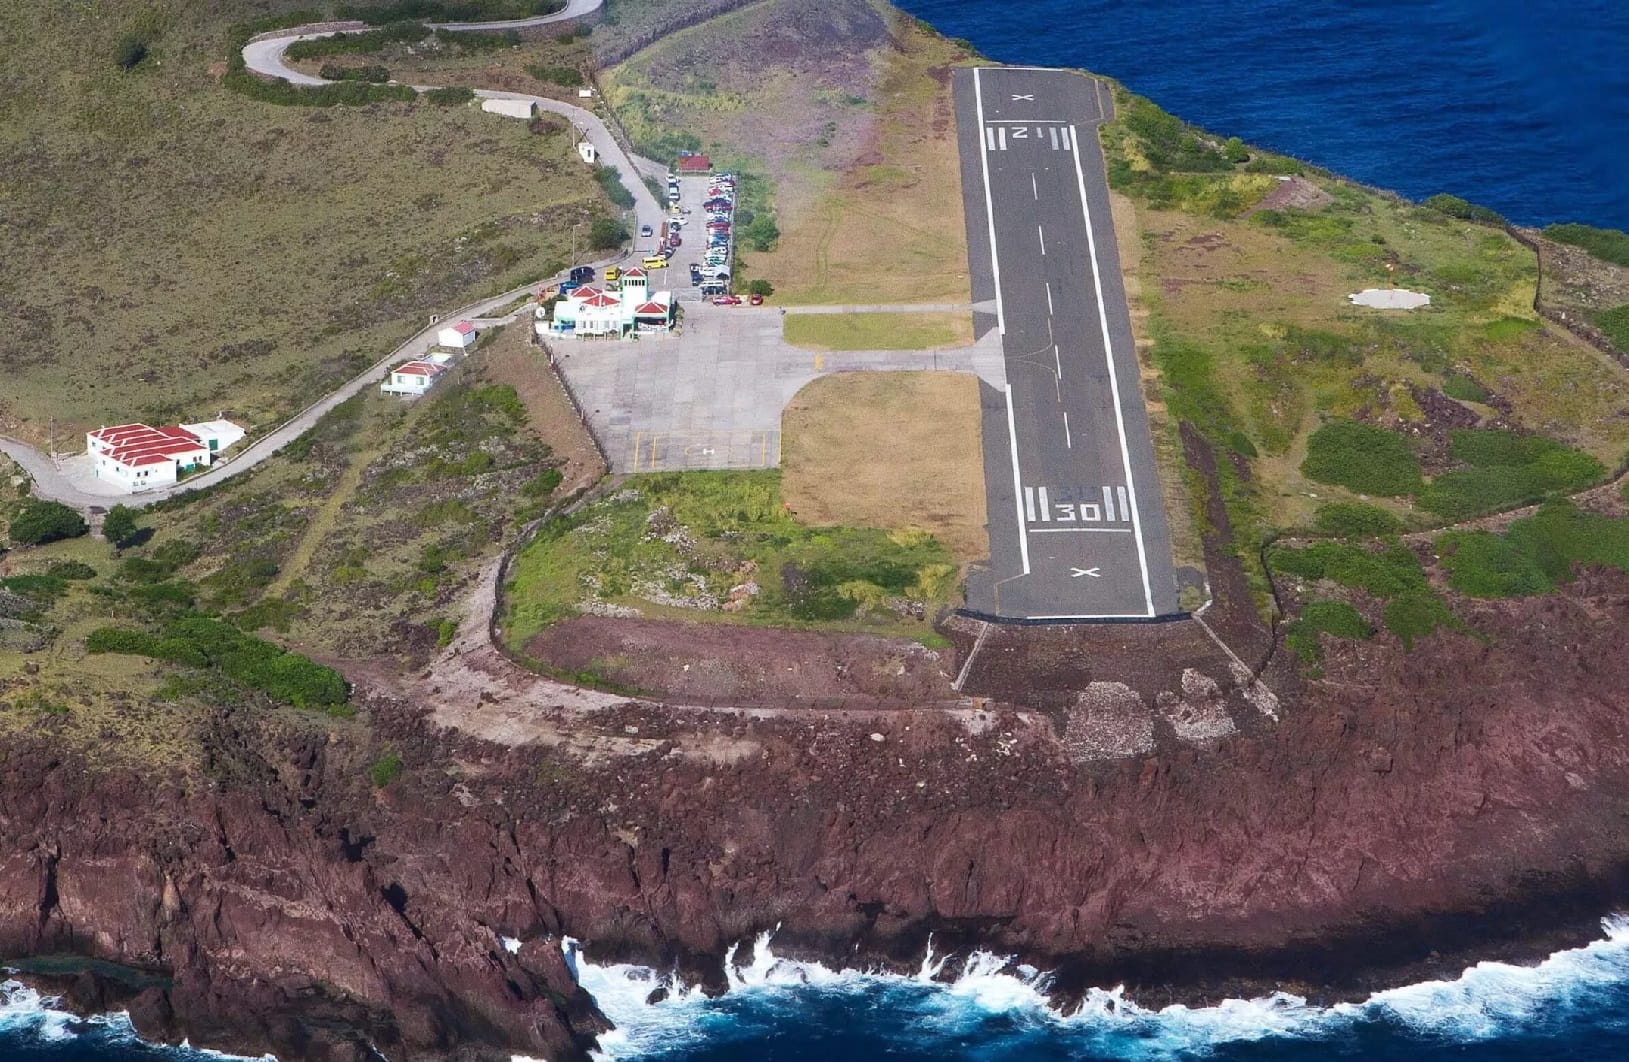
{"x": 1390, "y": 299}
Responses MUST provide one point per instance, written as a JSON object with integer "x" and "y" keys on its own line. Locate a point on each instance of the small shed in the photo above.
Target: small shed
{"x": 511, "y": 108}
{"x": 694, "y": 164}
{"x": 590, "y": 154}
{"x": 217, "y": 435}
{"x": 460, "y": 336}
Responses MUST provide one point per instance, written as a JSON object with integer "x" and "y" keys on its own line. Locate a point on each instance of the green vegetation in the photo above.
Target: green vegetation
{"x": 385, "y": 769}
{"x": 1609, "y": 245}
{"x": 1464, "y": 388}
{"x": 1415, "y": 615}
{"x": 119, "y": 525}
{"x": 606, "y": 234}
{"x": 1614, "y": 324}
{"x": 448, "y": 10}
{"x": 1363, "y": 458}
{"x": 1536, "y": 554}
{"x": 1356, "y": 520}
{"x": 358, "y": 43}
{"x": 761, "y": 233}
{"x": 722, "y": 545}
{"x": 375, "y": 74}
{"x": 761, "y": 287}
{"x": 1392, "y": 573}
{"x": 38, "y": 522}
{"x": 556, "y": 74}
{"x": 451, "y": 96}
{"x": 1335, "y": 618}
{"x": 1506, "y": 470}
{"x": 610, "y": 180}
{"x": 1456, "y": 207}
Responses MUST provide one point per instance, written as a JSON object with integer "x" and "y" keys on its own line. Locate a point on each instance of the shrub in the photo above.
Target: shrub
{"x": 610, "y": 179}
{"x": 449, "y": 97}
{"x": 76, "y": 570}
{"x": 1506, "y": 469}
{"x": 1363, "y": 458}
{"x": 1481, "y": 564}
{"x": 761, "y": 234}
{"x": 1465, "y": 389}
{"x": 1614, "y": 323}
{"x": 119, "y": 525}
{"x": 131, "y": 50}
{"x": 1456, "y": 207}
{"x": 448, "y": 10}
{"x": 1386, "y": 573}
{"x": 359, "y": 43}
{"x": 39, "y": 522}
{"x": 606, "y": 234}
{"x": 385, "y": 769}
{"x": 1416, "y": 614}
{"x": 567, "y": 76}
{"x": 200, "y": 641}
{"x": 1356, "y": 520}
{"x": 373, "y": 74}
{"x": 1235, "y": 151}
{"x": 1609, "y": 245}
{"x": 760, "y": 287}
{"x": 1335, "y": 618}
{"x": 543, "y": 484}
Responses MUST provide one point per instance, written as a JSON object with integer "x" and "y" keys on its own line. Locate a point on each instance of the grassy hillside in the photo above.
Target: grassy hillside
{"x": 175, "y": 249}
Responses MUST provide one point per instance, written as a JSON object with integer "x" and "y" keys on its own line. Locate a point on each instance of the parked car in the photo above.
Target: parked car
{"x": 646, "y": 230}
{"x": 567, "y": 286}
{"x": 756, "y": 300}
{"x": 726, "y": 300}
{"x": 581, "y": 274}
{"x": 674, "y": 241}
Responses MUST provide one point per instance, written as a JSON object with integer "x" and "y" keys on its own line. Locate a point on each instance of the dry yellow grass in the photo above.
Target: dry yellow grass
{"x": 878, "y": 331}
{"x": 894, "y": 450}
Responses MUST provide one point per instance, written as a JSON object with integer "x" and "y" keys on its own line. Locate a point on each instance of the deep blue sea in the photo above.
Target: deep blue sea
{"x": 1523, "y": 107}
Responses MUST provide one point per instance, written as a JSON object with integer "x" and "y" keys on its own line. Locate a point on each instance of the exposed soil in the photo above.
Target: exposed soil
{"x": 713, "y": 663}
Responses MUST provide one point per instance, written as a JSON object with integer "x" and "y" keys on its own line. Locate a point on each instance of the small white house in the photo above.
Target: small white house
{"x": 216, "y": 435}
{"x": 412, "y": 378}
{"x": 460, "y": 336}
{"x": 585, "y": 93}
{"x": 526, "y": 109}
{"x": 590, "y": 154}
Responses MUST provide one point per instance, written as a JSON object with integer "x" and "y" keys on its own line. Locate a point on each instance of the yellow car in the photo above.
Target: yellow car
{"x": 612, "y": 273}
{"x": 655, "y": 261}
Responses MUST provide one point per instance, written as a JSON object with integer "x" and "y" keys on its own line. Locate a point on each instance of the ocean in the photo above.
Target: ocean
{"x": 1523, "y": 107}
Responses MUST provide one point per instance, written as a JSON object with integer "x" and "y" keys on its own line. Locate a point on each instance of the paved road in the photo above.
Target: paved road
{"x": 1077, "y": 524}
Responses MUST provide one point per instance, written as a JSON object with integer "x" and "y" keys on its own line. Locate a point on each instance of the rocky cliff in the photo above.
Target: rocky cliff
{"x": 1406, "y": 807}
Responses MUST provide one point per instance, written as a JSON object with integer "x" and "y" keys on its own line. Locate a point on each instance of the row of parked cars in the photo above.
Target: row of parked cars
{"x": 712, "y": 273}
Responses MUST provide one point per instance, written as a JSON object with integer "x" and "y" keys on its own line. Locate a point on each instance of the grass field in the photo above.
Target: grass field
{"x": 852, "y": 129}
{"x": 175, "y": 249}
{"x": 1253, "y": 341}
{"x": 889, "y": 450}
{"x": 878, "y": 331}
{"x": 723, "y": 547}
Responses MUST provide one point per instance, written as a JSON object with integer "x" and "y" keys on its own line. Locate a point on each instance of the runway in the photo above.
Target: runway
{"x": 1077, "y": 523}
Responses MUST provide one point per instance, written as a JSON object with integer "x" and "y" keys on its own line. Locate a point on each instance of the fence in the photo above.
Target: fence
{"x": 1578, "y": 326}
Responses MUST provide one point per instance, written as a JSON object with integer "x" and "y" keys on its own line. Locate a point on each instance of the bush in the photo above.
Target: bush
{"x": 610, "y": 179}
{"x": 453, "y": 96}
{"x": 1356, "y": 520}
{"x": 131, "y": 50}
{"x": 359, "y": 43}
{"x": 119, "y": 525}
{"x": 1481, "y": 564}
{"x": 1609, "y": 245}
{"x": 1414, "y": 615}
{"x": 1465, "y": 389}
{"x": 199, "y": 641}
{"x": 374, "y": 74}
{"x": 543, "y": 484}
{"x": 1362, "y": 458}
{"x": 1506, "y": 470}
{"x": 567, "y": 76}
{"x": 1387, "y": 573}
{"x": 448, "y": 10}
{"x": 39, "y": 522}
{"x": 385, "y": 769}
{"x": 1456, "y": 207}
{"x": 1336, "y": 618}
{"x": 1614, "y": 324}
{"x": 75, "y": 570}
{"x": 606, "y": 234}
{"x": 761, "y": 287}
{"x": 761, "y": 234}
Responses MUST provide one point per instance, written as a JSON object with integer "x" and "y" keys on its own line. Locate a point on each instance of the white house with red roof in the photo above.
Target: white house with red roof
{"x": 414, "y": 377}
{"x": 137, "y": 457}
{"x": 460, "y": 336}
{"x": 599, "y": 312}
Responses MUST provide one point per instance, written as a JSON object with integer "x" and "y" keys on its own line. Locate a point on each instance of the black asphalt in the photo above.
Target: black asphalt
{"x": 1083, "y": 513}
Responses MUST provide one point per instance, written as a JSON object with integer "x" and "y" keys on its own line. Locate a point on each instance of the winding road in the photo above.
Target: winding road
{"x": 266, "y": 56}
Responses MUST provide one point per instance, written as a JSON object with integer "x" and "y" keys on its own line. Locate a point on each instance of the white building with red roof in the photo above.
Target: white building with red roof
{"x": 137, "y": 457}
{"x": 413, "y": 377}
{"x": 598, "y": 312}
{"x": 460, "y": 336}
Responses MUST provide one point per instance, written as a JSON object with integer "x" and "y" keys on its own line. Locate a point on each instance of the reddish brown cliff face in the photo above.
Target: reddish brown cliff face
{"x": 1471, "y": 793}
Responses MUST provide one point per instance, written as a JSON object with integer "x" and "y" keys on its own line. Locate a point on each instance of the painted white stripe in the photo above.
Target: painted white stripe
{"x": 1093, "y": 616}
{"x": 1068, "y": 440}
{"x": 1054, "y": 131}
{"x": 1065, "y": 145}
{"x": 1083, "y": 530}
{"x": 1017, "y": 478}
{"x": 1027, "y": 121}
{"x": 1057, "y": 362}
{"x": 1001, "y": 137}
{"x": 1034, "y": 187}
{"x": 1040, "y": 232}
{"x": 1114, "y": 379}
{"x": 989, "y": 139}
{"x": 1029, "y": 503}
{"x": 1121, "y": 491}
{"x": 1108, "y": 502}
{"x": 1049, "y": 298}
{"x": 995, "y": 266}
{"x": 1046, "y": 510}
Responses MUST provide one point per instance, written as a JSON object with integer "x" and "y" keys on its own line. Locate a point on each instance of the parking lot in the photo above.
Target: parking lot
{"x": 703, "y": 245}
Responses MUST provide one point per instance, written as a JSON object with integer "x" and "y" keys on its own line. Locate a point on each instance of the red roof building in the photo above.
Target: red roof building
{"x": 694, "y": 164}
{"x": 138, "y": 457}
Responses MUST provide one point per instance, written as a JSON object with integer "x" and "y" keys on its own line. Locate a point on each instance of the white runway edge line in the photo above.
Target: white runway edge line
{"x": 1017, "y": 483}
{"x": 995, "y": 259}
{"x": 1114, "y": 380}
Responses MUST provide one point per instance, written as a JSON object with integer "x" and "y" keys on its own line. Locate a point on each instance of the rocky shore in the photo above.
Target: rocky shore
{"x": 1408, "y": 812}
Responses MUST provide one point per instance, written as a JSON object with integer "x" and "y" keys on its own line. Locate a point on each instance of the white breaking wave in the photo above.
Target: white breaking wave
{"x": 24, "y": 1012}
{"x": 1489, "y": 999}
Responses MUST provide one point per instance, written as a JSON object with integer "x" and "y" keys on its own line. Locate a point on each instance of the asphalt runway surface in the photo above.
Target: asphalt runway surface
{"x": 1077, "y": 523}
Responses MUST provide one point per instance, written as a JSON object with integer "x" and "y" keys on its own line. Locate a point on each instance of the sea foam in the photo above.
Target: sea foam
{"x": 985, "y": 996}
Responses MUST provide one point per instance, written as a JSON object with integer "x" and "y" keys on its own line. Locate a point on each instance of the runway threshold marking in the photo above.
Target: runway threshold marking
{"x": 1114, "y": 380}
{"x": 995, "y": 259}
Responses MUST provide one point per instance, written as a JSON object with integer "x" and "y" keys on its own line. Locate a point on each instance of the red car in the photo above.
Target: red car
{"x": 756, "y": 300}
{"x": 726, "y": 300}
